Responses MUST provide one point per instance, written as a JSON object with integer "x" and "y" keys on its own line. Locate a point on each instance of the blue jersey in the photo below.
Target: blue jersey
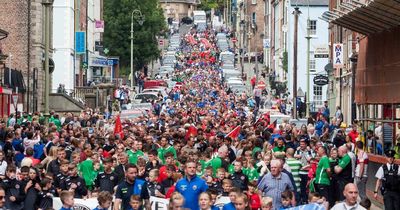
{"x": 229, "y": 206}
{"x": 191, "y": 190}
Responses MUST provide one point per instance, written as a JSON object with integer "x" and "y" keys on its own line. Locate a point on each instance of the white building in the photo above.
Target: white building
{"x": 63, "y": 43}
{"x": 312, "y": 10}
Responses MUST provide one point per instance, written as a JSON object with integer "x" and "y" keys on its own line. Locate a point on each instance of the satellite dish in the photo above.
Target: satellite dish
{"x": 329, "y": 67}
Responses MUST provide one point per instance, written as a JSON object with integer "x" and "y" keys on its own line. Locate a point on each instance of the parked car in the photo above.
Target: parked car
{"x": 147, "y": 97}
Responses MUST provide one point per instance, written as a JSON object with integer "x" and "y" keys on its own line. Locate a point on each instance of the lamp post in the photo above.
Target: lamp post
{"x": 241, "y": 51}
{"x": 308, "y": 37}
{"x": 140, "y": 20}
{"x": 47, "y": 4}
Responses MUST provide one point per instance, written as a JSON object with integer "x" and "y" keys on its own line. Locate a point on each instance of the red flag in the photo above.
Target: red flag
{"x": 234, "y": 133}
{"x": 118, "y": 127}
{"x": 192, "y": 131}
{"x": 272, "y": 125}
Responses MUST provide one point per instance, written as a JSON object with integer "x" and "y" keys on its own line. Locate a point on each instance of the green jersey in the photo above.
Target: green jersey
{"x": 162, "y": 151}
{"x": 134, "y": 156}
{"x": 87, "y": 171}
{"x": 295, "y": 166}
{"x": 322, "y": 176}
{"x": 252, "y": 174}
{"x": 279, "y": 149}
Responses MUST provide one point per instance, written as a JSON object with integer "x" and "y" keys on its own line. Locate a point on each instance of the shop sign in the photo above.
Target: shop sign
{"x": 321, "y": 80}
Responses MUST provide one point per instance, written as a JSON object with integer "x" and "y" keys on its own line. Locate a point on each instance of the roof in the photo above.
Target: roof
{"x": 309, "y": 2}
{"x": 367, "y": 19}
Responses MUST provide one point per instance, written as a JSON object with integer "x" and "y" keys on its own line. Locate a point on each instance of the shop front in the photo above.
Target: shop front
{"x": 377, "y": 81}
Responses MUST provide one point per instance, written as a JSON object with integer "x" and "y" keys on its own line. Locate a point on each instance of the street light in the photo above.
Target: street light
{"x": 140, "y": 20}
{"x": 47, "y": 4}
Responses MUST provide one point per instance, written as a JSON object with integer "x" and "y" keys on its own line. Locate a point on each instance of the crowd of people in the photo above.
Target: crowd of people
{"x": 203, "y": 144}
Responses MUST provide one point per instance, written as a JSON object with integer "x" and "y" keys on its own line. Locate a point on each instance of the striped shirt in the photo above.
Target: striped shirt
{"x": 295, "y": 166}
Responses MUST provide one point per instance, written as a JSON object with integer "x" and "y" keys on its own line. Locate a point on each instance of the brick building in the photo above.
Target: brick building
{"x": 24, "y": 21}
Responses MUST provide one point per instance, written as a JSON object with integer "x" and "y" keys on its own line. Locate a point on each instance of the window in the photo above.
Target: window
{"x": 313, "y": 27}
{"x": 312, "y": 62}
{"x": 253, "y": 18}
{"x": 317, "y": 96}
{"x": 253, "y": 1}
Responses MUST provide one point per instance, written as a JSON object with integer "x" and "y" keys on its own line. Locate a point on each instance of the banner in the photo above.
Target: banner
{"x": 81, "y": 204}
{"x": 158, "y": 203}
{"x": 338, "y": 55}
{"x": 221, "y": 201}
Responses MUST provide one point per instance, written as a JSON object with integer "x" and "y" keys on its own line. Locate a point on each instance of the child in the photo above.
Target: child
{"x": 266, "y": 203}
{"x": 155, "y": 188}
{"x": 46, "y": 195}
{"x": 316, "y": 199}
{"x": 286, "y": 199}
{"x": 217, "y": 185}
{"x": 62, "y": 175}
{"x": 104, "y": 198}
{"x": 135, "y": 203}
{"x": 226, "y": 186}
{"x": 232, "y": 196}
{"x": 254, "y": 198}
{"x": 67, "y": 200}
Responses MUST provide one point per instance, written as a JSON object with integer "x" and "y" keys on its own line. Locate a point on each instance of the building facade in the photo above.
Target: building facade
{"x": 178, "y": 9}
{"x": 24, "y": 21}
{"x": 319, "y": 38}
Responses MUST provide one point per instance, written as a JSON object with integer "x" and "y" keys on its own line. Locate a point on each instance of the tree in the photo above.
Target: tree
{"x": 117, "y": 17}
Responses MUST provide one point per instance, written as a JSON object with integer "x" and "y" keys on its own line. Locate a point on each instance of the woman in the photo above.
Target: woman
{"x": 52, "y": 156}
{"x": 205, "y": 202}
{"x": 32, "y": 189}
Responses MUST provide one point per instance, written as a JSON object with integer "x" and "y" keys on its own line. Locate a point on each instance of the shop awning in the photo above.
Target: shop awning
{"x": 365, "y": 16}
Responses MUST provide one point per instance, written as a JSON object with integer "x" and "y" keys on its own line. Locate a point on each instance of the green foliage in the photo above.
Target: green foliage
{"x": 285, "y": 61}
{"x": 211, "y": 4}
{"x": 117, "y": 17}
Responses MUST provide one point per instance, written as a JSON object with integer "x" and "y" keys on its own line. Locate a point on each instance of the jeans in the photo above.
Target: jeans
{"x": 303, "y": 188}
{"x": 361, "y": 184}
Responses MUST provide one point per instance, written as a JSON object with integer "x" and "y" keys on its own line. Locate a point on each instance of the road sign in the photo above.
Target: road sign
{"x": 15, "y": 99}
{"x": 80, "y": 42}
{"x": 266, "y": 43}
{"x": 161, "y": 42}
{"x": 234, "y": 40}
{"x": 321, "y": 52}
{"x": 337, "y": 55}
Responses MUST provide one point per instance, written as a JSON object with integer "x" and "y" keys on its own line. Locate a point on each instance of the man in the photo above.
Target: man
{"x": 219, "y": 161}
{"x": 74, "y": 182}
{"x": 134, "y": 153}
{"x": 343, "y": 170}
{"x": 54, "y": 165}
{"x": 121, "y": 168}
{"x": 322, "y": 181}
{"x": 189, "y": 147}
{"x": 295, "y": 166}
{"x": 361, "y": 169}
{"x": 350, "y": 203}
{"x": 2, "y": 198}
{"x": 164, "y": 148}
{"x": 274, "y": 183}
{"x": 131, "y": 186}
{"x": 304, "y": 155}
{"x": 388, "y": 176}
{"x": 325, "y": 111}
{"x": 191, "y": 186}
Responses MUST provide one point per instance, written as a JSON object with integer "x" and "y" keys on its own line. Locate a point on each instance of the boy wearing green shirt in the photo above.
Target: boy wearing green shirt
{"x": 322, "y": 182}
{"x": 164, "y": 148}
{"x": 134, "y": 153}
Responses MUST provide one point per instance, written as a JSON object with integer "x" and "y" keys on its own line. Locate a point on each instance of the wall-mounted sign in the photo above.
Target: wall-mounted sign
{"x": 99, "y": 26}
{"x": 321, "y": 80}
{"x": 80, "y": 42}
{"x": 338, "y": 55}
{"x": 321, "y": 51}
